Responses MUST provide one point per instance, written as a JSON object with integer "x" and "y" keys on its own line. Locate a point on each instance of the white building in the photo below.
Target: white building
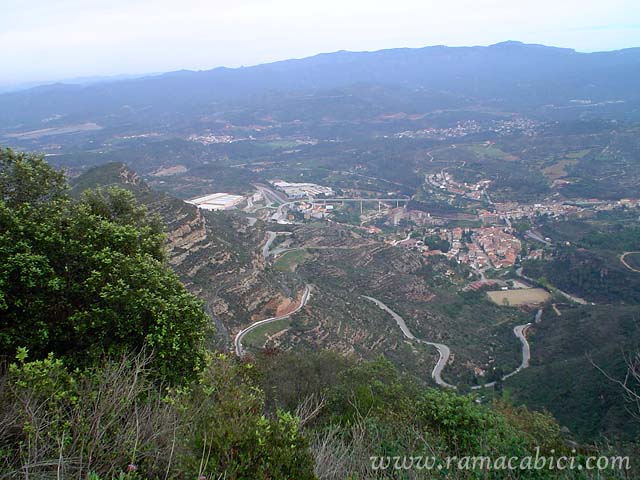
{"x": 216, "y": 201}
{"x": 301, "y": 190}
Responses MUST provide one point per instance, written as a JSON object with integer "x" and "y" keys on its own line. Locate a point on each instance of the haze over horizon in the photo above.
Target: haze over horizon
{"x": 88, "y": 38}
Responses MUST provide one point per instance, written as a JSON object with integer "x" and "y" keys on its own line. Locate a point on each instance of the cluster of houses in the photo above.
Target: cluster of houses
{"x": 478, "y": 247}
{"x": 444, "y": 181}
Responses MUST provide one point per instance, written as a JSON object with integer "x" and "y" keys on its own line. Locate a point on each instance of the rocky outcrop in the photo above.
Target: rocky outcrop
{"x": 216, "y": 256}
{"x": 185, "y": 237}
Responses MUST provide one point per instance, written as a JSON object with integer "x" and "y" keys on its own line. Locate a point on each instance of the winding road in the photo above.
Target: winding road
{"x": 624, "y": 262}
{"x": 444, "y": 351}
{"x": 271, "y": 236}
{"x": 240, "y": 351}
{"x": 519, "y": 331}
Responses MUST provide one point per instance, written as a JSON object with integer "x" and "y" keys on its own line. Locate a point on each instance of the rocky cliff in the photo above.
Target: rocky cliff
{"x": 215, "y": 254}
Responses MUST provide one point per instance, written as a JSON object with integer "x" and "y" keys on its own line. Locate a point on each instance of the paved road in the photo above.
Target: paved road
{"x": 408, "y": 237}
{"x": 281, "y": 212}
{"x": 271, "y": 236}
{"x": 519, "y": 331}
{"x": 443, "y": 350}
{"x": 538, "y": 318}
{"x": 360, "y": 199}
{"x": 536, "y": 236}
{"x": 486, "y": 195}
{"x": 240, "y": 351}
{"x": 579, "y": 300}
{"x": 624, "y": 262}
{"x": 566, "y": 295}
{"x": 270, "y": 194}
{"x": 481, "y": 271}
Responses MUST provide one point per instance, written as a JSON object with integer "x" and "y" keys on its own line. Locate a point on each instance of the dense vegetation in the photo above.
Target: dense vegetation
{"x": 586, "y": 260}
{"x": 589, "y": 276}
{"x": 86, "y": 278}
{"x": 568, "y": 352}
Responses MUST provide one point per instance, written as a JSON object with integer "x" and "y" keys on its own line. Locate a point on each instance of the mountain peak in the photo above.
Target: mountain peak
{"x": 508, "y": 43}
{"x": 516, "y": 45}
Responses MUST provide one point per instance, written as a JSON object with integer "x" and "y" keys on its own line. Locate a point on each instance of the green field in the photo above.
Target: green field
{"x": 578, "y": 154}
{"x": 491, "y": 151}
{"x": 289, "y": 261}
{"x": 558, "y": 170}
{"x": 258, "y": 337}
{"x": 282, "y": 144}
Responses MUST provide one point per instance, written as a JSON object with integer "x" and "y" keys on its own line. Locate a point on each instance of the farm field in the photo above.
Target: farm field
{"x": 289, "y": 261}
{"x": 519, "y": 297}
{"x": 558, "y": 170}
{"x": 491, "y": 151}
{"x": 258, "y": 337}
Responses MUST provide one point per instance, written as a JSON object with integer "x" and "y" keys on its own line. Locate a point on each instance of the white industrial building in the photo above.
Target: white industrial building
{"x": 217, "y": 201}
{"x": 301, "y": 190}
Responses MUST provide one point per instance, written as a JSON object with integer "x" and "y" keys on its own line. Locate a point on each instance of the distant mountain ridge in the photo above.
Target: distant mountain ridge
{"x": 511, "y": 73}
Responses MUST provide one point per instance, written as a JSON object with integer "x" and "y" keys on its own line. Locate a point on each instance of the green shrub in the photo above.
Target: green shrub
{"x": 57, "y": 422}
{"x": 81, "y": 279}
{"x": 228, "y": 433}
{"x": 113, "y": 418}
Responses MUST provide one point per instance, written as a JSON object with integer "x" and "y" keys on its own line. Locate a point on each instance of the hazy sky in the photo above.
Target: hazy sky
{"x": 55, "y": 39}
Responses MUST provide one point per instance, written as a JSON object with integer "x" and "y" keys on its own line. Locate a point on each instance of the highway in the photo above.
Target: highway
{"x": 240, "y": 352}
{"x": 284, "y": 203}
{"x": 443, "y": 350}
{"x": 358, "y": 199}
{"x": 278, "y": 197}
{"x": 270, "y": 195}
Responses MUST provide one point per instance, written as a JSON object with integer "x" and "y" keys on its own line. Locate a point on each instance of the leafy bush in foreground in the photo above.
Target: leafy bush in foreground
{"x": 81, "y": 279}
